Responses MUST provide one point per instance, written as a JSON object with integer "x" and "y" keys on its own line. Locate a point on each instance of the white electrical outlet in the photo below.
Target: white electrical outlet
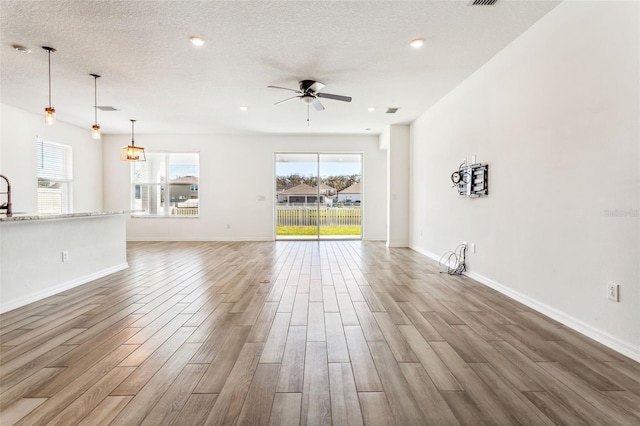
{"x": 473, "y": 247}
{"x": 65, "y": 256}
{"x": 612, "y": 292}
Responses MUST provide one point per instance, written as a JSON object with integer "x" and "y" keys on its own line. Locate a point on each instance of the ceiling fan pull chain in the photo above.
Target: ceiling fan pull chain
{"x": 307, "y": 115}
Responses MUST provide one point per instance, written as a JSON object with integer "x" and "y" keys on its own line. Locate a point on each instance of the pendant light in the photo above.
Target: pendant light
{"x": 132, "y": 152}
{"x": 95, "y": 133}
{"x": 50, "y": 112}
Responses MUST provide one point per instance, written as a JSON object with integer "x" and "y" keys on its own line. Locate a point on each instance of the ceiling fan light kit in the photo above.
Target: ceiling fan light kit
{"x": 308, "y": 93}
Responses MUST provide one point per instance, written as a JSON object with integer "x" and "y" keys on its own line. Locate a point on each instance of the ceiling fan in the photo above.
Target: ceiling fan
{"x": 309, "y": 94}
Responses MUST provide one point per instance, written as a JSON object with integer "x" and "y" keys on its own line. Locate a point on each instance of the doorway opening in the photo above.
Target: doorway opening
{"x": 318, "y": 196}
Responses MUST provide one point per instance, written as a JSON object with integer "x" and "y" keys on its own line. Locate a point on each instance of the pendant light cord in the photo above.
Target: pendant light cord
{"x": 132, "y": 141}
{"x": 95, "y": 100}
{"x": 49, "y": 77}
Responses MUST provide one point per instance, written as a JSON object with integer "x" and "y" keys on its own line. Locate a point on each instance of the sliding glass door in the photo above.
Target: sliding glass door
{"x": 318, "y": 196}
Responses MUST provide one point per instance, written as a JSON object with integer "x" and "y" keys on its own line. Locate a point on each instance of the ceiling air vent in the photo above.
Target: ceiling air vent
{"x": 106, "y": 108}
{"x": 392, "y": 110}
{"x": 482, "y": 2}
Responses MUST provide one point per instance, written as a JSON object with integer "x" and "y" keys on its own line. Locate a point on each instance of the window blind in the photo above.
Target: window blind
{"x": 55, "y": 176}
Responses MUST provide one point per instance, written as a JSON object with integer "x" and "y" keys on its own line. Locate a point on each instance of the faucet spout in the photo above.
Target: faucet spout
{"x": 8, "y": 203}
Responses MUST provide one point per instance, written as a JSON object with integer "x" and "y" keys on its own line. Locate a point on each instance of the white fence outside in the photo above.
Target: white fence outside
{"x": 310, "y": 215}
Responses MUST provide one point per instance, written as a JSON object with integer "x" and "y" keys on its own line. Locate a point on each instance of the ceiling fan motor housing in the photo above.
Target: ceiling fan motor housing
{"x": 310, "y": 86}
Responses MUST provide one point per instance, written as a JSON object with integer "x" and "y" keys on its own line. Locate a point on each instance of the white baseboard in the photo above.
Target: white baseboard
{"x": 34, "y": 297}
{"x": 392, "y": 245}
{"x": 581, "y": 327}
{"x": 374, "y": 238}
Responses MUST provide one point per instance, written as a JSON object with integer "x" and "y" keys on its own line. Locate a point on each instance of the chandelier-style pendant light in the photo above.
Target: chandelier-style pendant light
{"x": 95, "y": 133}
{"x": 132, "y": 152}
{"x": 49, "y": 112}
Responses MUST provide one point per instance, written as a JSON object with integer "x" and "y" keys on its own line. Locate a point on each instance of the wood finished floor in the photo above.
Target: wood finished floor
{"x": 345, "y": 333}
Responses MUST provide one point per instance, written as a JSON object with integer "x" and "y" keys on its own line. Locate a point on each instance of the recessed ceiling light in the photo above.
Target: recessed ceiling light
{"x": 417, "y": 43}
{"x": 21, "y": 49}
{"x": 244, "y": 108}
{"x": 197, "y": 41}
{"x": 368, "y": 129}
{"x": 371, "y": 109}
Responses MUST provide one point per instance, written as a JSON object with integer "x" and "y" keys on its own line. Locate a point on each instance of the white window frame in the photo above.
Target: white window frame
{"x": 55, "y": 177}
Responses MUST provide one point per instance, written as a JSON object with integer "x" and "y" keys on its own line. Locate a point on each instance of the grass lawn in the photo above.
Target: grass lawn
{"x": 312, "y": 230}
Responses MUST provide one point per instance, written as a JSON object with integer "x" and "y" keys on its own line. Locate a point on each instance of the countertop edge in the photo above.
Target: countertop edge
{"x": 29, "y": 218}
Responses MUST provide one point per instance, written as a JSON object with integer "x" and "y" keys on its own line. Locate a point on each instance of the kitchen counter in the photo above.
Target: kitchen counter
{"x": 43, "y": 255}
{"x": 19, "y": 217}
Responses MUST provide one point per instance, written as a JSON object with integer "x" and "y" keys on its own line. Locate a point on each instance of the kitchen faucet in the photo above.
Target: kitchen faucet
{"x": 7, "y": 205}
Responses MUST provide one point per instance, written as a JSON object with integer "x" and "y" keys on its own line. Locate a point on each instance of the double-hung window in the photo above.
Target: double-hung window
{"x": 55, "y": 178}
{"x": 167, "y": 184}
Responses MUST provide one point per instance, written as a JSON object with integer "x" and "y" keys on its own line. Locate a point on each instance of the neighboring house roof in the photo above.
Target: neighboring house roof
{"x": 185, "y": 180}
{"x": 304, "y": 189}
{"x": 353, "y": 189}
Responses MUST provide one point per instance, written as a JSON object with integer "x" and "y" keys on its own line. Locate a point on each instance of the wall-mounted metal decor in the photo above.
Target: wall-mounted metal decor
{"x": 471, "y": 180}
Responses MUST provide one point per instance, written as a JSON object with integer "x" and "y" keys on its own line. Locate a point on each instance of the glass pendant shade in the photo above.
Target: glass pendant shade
{"x": 95, "y": 133}
{"x": 49, "y": 116}
{"x": 132, "y": 152}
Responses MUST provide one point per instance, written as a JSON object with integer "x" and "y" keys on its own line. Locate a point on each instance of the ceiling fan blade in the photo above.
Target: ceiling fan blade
{"x": 334, "y": 97}
{"x": 283, "y": 88}
{"x": 287, "y": 100}
{"x": 317, "y": 105}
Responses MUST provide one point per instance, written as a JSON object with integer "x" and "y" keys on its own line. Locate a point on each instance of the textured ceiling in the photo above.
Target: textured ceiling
{"x": 151, "y": 72}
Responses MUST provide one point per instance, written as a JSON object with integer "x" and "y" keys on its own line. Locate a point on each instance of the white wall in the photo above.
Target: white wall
{"x": 398, "y": 186}
{"x": 556, "y": 117}
{"x": 19, "y": 163}
{"x": 235, "y": 171}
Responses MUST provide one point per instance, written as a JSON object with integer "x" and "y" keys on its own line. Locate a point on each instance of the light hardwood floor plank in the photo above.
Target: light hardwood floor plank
{"x": 345, "y": 407}
{"x": 145, "y": 400}
{"x": 231, "y": 398}
{"x": 375, "y": 409}
{"x": 274, "y": 346}
{"x": 89, "y": 400}
{"x": 292, "y": 371}
{"x": 316, "y": 403}
{"x": 106, "y": 410}
{"x": 195, "y": 410}
{"x": 364, "y": 370}
{"x": 367, "y": 322}
{"x": 401, "y": 401}
{"x": 20, "y": 408}
{"x": 170, "y": 404}
{"x": 433, "y": 406}
{"x": 316, "y": 328}
{"x": 336, "y": 343}
{"x": 286, "y": 409}
{"x": 219, "y": 369}
{"x": 257, "y": 405}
